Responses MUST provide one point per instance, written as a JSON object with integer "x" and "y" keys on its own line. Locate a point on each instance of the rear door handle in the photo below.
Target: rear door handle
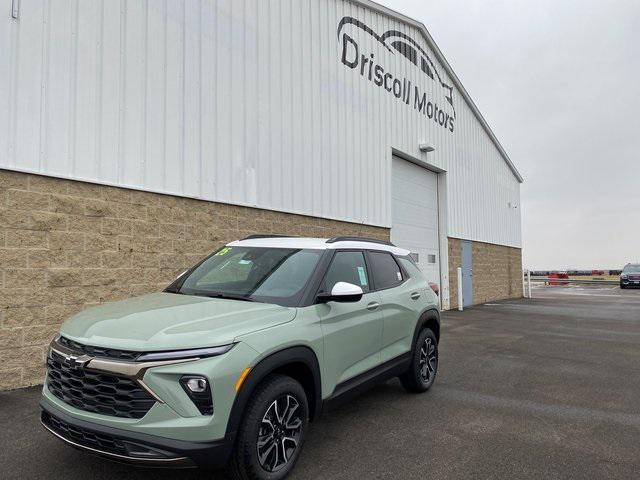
{"x": 373, "y": 306}
{"x": 415, "y": 295}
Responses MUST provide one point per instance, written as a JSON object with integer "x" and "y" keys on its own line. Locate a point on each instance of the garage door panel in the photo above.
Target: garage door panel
{"x": 427, "y": 191}
{"x": 409, "y": 206}
{"x": 408, "y": 194}
{"x": 425, "y": 209}
{"x": 421, "y": 235}
{"x": 414, "y": 174}
{"x": 405, "y": 214}
{"x": 409, "y": 179}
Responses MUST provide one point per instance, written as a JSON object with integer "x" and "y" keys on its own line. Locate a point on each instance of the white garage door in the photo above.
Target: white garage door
{"x": 415, "y": 214}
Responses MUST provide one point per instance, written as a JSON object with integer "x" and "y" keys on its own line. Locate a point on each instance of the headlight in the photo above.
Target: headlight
{"x": 624, "y": 276}
{"x": 192, "y": 353}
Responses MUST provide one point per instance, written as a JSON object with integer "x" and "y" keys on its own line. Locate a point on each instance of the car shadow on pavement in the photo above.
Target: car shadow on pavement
{"x": 23, "y": 437}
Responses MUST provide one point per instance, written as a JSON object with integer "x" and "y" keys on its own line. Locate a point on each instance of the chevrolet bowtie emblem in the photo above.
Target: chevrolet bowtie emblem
{"x": 76, "y": 362}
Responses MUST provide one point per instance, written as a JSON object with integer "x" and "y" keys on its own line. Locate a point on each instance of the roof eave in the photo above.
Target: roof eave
{"x": 474, "y": 108}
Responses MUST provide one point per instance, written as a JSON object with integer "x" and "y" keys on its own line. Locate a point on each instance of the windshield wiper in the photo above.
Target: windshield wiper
{"x": 226, "y": 296}
{"x": 173, "y": 290}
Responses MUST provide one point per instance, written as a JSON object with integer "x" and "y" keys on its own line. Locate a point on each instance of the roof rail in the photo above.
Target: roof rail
{"x": 359, "y": 239}
{"x": 267, "y": 235}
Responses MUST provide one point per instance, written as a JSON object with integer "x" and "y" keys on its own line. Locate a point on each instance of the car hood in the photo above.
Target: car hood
{"x": 167, "y": 321}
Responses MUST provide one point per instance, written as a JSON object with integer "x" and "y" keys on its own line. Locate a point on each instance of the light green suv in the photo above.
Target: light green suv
{"x": 229, "y": 364}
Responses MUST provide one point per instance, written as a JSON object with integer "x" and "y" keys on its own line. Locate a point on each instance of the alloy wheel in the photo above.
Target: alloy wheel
{"x": 279, "y": 433}
{"x": 428, "y": 360}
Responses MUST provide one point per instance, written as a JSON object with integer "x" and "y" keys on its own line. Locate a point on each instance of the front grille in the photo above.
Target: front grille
{"x": 99, "y": 351}
{"x": 86, "y": 438}
{"x": 95, "y": 391}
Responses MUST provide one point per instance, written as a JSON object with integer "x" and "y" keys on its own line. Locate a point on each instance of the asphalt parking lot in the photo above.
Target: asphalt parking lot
{"x": 540, "y": 388}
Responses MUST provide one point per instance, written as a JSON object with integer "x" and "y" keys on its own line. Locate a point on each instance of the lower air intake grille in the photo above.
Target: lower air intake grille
{"x": 86, "y": 438}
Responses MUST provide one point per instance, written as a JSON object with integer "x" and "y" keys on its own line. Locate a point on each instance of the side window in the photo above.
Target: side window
{"x": 347, "y": 267}
{"x": 410, "y": 267}
{"x": 385, "y": 270}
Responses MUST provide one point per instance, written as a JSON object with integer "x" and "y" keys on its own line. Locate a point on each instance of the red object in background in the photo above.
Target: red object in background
{"x": 558, "y": 275}
{"x": 435, "y": 287}
{"x": 596, "y": 273}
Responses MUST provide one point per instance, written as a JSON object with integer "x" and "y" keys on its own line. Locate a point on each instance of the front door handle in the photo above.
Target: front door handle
{"x": 373, "y": 306}
{"x": 415, "y": 295}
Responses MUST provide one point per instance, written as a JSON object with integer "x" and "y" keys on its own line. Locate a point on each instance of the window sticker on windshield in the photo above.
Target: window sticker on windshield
{"x": 363, "y": 276}
{"x": 245, "y": 262}
{"x": 224, "y": 251}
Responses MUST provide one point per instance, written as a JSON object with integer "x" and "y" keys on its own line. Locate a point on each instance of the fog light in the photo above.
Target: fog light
{"x": 197, "y": 385}
{"x": 198, "y": 389}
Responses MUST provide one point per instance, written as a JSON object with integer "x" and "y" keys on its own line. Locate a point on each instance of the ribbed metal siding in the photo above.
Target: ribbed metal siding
{"x": 241, "y": 101}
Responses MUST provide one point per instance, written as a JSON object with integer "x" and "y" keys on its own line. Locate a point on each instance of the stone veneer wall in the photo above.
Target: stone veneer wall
{"x": 67, "y": 245}
{"x": 497, "y": 271}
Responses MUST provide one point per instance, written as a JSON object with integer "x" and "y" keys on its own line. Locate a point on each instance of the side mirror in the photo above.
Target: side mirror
{"x": 343, "y": 292}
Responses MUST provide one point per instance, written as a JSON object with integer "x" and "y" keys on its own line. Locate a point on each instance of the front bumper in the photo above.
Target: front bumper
{"x": 174, "y": 415}
{"x": 132, "y": 447}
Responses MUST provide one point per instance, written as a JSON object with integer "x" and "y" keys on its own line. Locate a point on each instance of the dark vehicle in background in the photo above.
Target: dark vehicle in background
{"x": 630, "y": 276}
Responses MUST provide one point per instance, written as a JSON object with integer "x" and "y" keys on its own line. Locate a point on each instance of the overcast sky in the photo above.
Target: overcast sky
{"x": 559, "y": 83}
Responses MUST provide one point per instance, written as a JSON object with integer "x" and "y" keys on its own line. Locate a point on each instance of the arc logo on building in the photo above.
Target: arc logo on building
{"x": 437, "y": 106}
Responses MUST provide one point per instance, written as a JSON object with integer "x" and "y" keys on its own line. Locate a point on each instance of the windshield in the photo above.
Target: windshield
{"x": 270, "y": 275}
{"x": 632, "y": 268}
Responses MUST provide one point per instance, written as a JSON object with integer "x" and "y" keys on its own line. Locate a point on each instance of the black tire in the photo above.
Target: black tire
{"x": 422, "y": 372}
{"x": 622, "y": 286}
{"x": 268, "y": 424}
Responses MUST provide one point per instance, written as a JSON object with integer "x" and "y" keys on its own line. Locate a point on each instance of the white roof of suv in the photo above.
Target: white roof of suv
{"x": 318, "y": 244}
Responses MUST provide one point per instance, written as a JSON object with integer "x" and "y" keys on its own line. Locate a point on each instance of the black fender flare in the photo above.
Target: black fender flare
{"x": 282, "y": 358}
{"x": 427, "y": 316}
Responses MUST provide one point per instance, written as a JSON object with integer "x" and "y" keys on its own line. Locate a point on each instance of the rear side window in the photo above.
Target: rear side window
{"x": 386, "y": 272}
{"x": 347, "y": 267}
{"x": 410, "y": 267}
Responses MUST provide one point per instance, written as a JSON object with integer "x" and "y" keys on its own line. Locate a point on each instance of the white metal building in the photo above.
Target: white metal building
{"x": 313, "y": 107}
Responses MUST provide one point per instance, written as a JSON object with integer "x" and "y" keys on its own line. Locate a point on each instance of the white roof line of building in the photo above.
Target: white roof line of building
{"x": 423, "y": 29}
